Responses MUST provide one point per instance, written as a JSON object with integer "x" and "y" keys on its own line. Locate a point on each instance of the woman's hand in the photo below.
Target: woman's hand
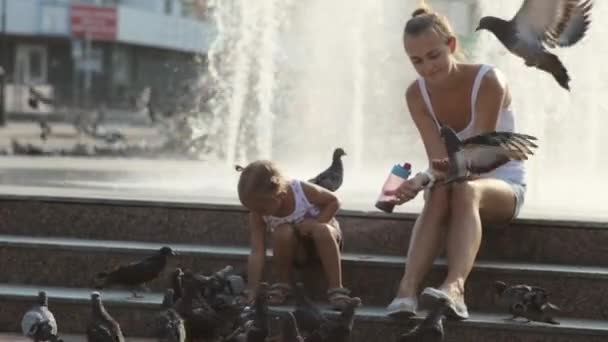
{"x": 404, "y": 193}
{"x": 440, "y": 168}
{"x": 410, "y": 188}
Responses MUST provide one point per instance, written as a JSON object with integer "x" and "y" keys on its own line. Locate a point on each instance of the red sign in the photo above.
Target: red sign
{"x": 99, "y": 22}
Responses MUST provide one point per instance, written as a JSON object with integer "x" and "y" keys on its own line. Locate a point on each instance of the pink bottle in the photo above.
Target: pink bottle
{"x": 399, "y": 174}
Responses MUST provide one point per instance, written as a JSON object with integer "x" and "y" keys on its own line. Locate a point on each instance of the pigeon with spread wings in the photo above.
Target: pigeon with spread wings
{"x": 484, "y": 152}
{"x": 539, "y": 24}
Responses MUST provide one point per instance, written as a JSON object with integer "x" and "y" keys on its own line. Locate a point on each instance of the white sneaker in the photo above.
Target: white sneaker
{"x": 403, "y": 307}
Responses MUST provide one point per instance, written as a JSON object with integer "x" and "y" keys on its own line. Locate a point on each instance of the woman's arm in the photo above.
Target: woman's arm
{"x": 325, "y": 200}
{"x": 493, "y": 93}
{"x": 425, "y": 124}
{"x": 257, "y": 256}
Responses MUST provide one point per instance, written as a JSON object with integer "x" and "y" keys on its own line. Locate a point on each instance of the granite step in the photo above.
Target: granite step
{"x": 579, "y": 290}
{"x": 72, "y": 309}
{"x": 15, "y": 337}
{"x": 525, "y": 240}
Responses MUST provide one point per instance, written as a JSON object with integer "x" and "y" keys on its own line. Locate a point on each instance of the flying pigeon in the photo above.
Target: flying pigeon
{"x": 102, "y": 327}
{"x": 39, "y": 322}
{"x": 484, "y": 152}
{"x": 331, "y": 179}
{"x": 136, "y": 274}
{"x": 539, "y": 24}
{"x": 36, "y": 97}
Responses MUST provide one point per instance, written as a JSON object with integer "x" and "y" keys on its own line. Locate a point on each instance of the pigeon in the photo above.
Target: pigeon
{"x": 136, "y": 274}
{"x": 35, "y": 97}
{"x": 176, "y": 283}
{"x": 539, "y": 24}
{"x": 39, "y": 323}
{"x": 538, "y": 308}
{"x": 260, "y": 328}
{"x": 484, "y": 152}
{"x": 289, "y": 328}
{"x": 431, "y": 328}
{"x": 331, "y": 179}
{"x": 102, "y": 327}
{"x": 526, "y": 301}
{"x": 169, "y": 324}
{"x": 45, "y": 129}
{"x": 200, "y": 319}
{"x": 337, "y": 329}
{"x": 309, "y": 318}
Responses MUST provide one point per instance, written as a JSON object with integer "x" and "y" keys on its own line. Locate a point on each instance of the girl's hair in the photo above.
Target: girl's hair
{"x": 425, "y": 18}
{"x": 260, "y": 177}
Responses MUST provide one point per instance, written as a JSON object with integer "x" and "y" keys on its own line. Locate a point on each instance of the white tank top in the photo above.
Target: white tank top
{"x": 514, "y": 170}
{"x": 303, "y": 209}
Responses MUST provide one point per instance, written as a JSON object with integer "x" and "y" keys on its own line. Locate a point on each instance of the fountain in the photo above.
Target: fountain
{"x": 300, "y": 78}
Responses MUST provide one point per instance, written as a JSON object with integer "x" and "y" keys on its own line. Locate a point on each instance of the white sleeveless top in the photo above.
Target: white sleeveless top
{"x": 303, "y": 209}
{"x": 513, "y": 171}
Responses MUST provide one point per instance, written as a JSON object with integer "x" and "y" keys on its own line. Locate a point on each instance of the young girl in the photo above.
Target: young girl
{"x": 300, "y": 217}
{"x": 473, "y": 99}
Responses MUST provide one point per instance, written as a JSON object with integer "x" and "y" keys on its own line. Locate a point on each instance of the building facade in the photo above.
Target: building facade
{"x": 85, "y": 53}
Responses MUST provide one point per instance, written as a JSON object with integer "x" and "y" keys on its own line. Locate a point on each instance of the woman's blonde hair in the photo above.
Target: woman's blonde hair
{"x": 261, "y": 177}
{"x": 424, "y": 18}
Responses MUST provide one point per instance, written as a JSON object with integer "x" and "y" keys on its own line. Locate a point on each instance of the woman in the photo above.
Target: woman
{"x": 471, "y": 99}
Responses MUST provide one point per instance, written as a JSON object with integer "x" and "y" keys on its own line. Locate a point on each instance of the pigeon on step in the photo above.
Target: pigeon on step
{"x": 289, "y": 328}
{"x": 540, "y": 23}
{"x": 337, "y": 329}
{"x": 431, "y": 328}
{"x": 484, "y": 152}
{"x": 102, "y": 327}
{"x": 331, "y": 179}
{"x": 531, "y": 302}
{"x": 259, "y": 330}
{"x": 201, "y": 320}
{"x": 176, "y": 283}
{"x": 38, "y": 323}
{"x": 544, "y": 313}
{"x": 308, "y": 316}
{"x": 169, "y": 324}
{"x": 138, "y": 273}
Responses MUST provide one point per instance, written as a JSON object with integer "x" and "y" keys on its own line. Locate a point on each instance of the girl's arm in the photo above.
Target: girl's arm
{"x": 324, "y": 199}
{"x": 257, "y": 256}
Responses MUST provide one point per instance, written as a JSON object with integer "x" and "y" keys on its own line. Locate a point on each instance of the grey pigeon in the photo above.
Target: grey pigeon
{"x": 138, "y": 273}
{"x": 201, "y": 320}
{"x": 331, "y": 179}
{"x": 102, "y": 327}
{"x": 537, "y": 308}
{"x": 431, "y": 328}
{"x": 260, "y": 328}
{"x": 169, "y": 324}
{"x": 36, "y": 97}
{"x": 484, "y": 152}
{"x": 526, "y": 301}
{"x": 308, "y": 315}
{"x": 176, "y": 283}
{"x": 337, "y": 329}
{"x": 39, "y": 323}
{"x": 289, "y": 328}
{"x": 539, "y": 24}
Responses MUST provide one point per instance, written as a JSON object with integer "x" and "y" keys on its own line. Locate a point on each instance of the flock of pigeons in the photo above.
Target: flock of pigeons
{"x": 199, "y": 307}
